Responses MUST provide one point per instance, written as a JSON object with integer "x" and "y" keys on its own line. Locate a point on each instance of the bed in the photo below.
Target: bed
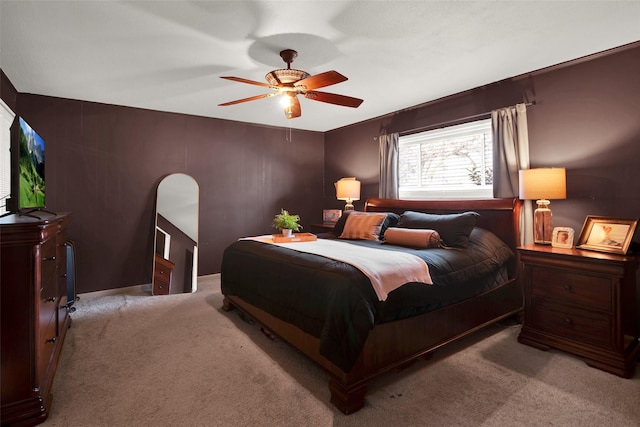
{"x": 329, "y": 310}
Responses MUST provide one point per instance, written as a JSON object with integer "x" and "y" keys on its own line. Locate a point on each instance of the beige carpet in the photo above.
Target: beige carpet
{"x": 131, "y": 359}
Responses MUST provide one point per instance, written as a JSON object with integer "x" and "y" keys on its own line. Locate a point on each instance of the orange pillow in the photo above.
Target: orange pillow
{"x": 363, "y": 226}
{"x": 413, "y": 237}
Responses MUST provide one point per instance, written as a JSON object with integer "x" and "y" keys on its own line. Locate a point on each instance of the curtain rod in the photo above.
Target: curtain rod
{"x": 441, "y": 124}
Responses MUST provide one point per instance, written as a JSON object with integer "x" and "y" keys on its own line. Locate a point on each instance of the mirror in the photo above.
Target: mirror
{"x": 175, "y": 265}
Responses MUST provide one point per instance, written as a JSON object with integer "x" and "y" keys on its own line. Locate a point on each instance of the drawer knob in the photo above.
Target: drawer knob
{"x": 51, "y": 258}
{"x": 568, "y": 288}
{"x": 51, "y": 299}
{"x": 568, "y": 321}
{"x": 50, "y": 340}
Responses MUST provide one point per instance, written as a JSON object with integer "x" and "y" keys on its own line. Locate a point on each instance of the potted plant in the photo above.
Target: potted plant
{"x": 286, "y": 222}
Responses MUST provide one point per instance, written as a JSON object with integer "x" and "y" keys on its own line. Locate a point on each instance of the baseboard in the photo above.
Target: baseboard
{"x": 116, "y": 291}
{"x": 146, "y": 288}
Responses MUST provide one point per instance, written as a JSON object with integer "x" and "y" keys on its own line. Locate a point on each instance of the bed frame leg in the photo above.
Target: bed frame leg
{"x": 226, "y": 304}
{"x": 348, "y": 400}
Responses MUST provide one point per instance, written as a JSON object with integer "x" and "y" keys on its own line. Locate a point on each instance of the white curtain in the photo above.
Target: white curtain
{"x": 510, "y": 154}
{"x": 388, "y": 166}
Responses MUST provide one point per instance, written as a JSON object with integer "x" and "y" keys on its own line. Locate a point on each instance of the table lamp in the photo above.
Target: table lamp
{"x": 542, "y": 185}
{"x": 348, "y": 189}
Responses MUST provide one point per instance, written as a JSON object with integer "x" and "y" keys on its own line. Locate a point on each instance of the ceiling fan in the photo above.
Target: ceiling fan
{"x": 289, "y": 83}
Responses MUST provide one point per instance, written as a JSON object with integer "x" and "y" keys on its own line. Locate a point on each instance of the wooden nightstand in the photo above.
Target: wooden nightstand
{"x": 582, "y": 302}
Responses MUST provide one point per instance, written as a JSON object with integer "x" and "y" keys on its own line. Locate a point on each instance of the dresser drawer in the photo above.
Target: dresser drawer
{"x": 160, "y": 287}
{"x": 570, "y": 287}
{"x": 48, "y": 273}
{"x": 49, "y": 295}
{"x": 46, "y": 344}
{"x": 572, "y": 323}
{"x": 162, "y": 276}
{"x": 47, "y": 308}
{"x": 61, "y": 260}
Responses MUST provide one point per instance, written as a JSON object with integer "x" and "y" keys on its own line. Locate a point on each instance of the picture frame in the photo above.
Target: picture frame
{"x": 331, "y": 216}
{"x": 606, "y": 234}
{"x": 562, "y": 237}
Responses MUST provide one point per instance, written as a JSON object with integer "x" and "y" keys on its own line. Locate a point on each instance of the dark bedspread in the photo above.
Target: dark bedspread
{"x": 336, "y": 303}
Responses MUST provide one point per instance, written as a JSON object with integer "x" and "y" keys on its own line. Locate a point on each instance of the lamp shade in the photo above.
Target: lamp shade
{"x": 348, "y": 189}
{"x": 543, "y": 183}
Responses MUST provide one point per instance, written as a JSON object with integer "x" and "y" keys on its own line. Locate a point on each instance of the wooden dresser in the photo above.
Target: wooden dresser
{"x": 163, "y": 268}
{"x": 34, "y": 313}
{"x": 582, "y": 302}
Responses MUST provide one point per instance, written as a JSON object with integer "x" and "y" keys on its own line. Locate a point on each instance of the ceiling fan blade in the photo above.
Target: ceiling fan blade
{"x": 294, "y": 110}
{"x": 332, "y": 98}
{"x": 321, "y": 80}
{"x": 252, "y": 98}
{"x": 241, "y": 80}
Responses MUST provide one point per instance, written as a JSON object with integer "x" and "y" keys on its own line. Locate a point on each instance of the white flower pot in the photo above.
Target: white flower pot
{"x": 287, "y": 232}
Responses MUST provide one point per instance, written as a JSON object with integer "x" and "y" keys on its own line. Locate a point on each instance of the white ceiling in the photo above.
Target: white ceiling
{"x": 169, "y": 55}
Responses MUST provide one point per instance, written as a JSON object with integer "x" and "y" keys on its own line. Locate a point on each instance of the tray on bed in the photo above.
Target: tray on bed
{"x": 296, "y": 237}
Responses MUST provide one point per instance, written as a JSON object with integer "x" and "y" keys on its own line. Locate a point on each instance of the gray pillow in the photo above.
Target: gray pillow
{"x": 454, "y": 229}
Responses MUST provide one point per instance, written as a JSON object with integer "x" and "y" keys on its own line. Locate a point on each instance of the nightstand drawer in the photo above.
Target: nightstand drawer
{"x": 578, "y": 325}
{"x": 572, "y": 288}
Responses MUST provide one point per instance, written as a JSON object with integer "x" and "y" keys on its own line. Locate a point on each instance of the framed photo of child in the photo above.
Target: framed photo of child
{"x": 562, "y": 237}
{"x": 606, "y": 234}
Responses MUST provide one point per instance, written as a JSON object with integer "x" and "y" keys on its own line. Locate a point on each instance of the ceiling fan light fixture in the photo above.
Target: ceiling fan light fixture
{"x": 287, "y": 98}
{"x": 288, "y": 111}
{"x": 285, "y": 75}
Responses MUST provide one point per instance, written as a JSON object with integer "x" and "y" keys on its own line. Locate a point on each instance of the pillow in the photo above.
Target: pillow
{"x": 390, "y": 221}
{"x": 339, "y": 227}
{"x": 453, "y": 228}
{"x": 363, "y": 226}
{"x": 414, "y": 238}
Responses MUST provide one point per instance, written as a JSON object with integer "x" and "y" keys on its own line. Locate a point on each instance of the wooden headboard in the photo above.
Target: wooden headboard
{"x": 500, "y": 216}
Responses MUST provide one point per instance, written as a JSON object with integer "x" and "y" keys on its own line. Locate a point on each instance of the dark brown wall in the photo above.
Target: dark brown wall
{"x": 8, "y": 92}
{"x": 586, "y": 118}
{"x": 104, "y": 163}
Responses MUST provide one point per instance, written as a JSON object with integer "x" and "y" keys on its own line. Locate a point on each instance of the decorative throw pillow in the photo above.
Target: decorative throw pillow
{"x": 390, "y": 221}
{"x": 414, "y": 238}
{"x": 339, "y": 227}
{"x": 363, "y": 226}
{"x": 453, "y": 228}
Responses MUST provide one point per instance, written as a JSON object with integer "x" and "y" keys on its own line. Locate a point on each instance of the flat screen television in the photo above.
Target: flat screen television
{"x": 28, "y": 183}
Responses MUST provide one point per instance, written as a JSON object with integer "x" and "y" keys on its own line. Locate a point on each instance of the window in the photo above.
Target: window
{"x": 6, "y": 118}
{"x": 452, "y": 162}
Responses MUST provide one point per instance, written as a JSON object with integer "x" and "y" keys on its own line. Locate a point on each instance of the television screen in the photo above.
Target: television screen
{"x": 31, "y": 168}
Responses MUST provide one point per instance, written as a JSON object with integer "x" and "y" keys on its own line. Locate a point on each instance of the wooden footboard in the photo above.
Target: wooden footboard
{"x": 395, "y": 344}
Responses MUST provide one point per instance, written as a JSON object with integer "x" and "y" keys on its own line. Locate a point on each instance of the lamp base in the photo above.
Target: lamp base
{"x": 348, "y": 207}
{"x": 542, "y": 223}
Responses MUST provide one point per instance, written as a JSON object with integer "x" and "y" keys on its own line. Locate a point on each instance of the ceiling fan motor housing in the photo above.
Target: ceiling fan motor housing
{"x": 285, "y": 76}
